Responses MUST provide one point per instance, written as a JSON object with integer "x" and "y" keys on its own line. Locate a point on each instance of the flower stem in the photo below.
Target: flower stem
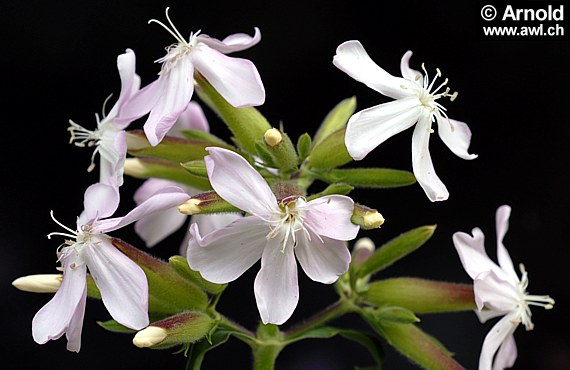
{"x": 332, "y": 312}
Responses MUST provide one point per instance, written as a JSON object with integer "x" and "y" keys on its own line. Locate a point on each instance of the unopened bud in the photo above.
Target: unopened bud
{"x": 363, "y": 249}
{"x": 190, "y": 207}
{"x": 367, "y": 218}
{"x": 208, "y": 202}
{"x": 151, "y": 336}
{"x": 272, "y": 137}
{"x": 135, "y": 168}
{"x": 41, "y": 283}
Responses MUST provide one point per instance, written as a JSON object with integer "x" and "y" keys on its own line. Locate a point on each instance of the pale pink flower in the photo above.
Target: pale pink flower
{"x": 276, "y": 232}
{"x": 416, "y": 102}
{"x": 498, "y": 292}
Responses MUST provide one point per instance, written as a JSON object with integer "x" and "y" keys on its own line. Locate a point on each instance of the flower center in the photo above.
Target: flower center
{"x": 289, "y": 221}
{"x": 82, "y": 137}
{"x": 428, "y": 94}
{"x": 77, "y": 240}
{"x": 526, "y": 300}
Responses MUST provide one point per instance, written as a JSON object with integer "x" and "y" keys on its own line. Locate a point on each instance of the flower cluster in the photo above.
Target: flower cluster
{"x": 252, "y": 200}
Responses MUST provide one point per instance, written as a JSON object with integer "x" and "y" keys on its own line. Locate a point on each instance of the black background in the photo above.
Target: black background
{"x": 59, "y": 63}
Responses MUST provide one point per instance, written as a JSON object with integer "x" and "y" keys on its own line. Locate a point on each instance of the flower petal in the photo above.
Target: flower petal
{"x": 112, "y": 152}
{"x": 65, "y": 308}
{"x": 507, "y": 354}
{"x": 165, "y": 198}
{"x": 235, "y": 180}
{"x": 276, "y": 287}
{"x": 232, "y": 43}
{"x": 330, "y": 216}
{"x": 139, "y": 104}
{"x": 497, "y": 336}
{"x": 471, "y": 250}
{"x": 122, "y": 283}
{"x": 422, "y": 164}
{"x": 211, "y": 222}
{"x": 502, "y": 226}
{"x": 352, "y": 58}
{"x": 409, "y": 73}
{"x": 225, "y": 254}
{"x": 176, "y": 89}
{"x": 193, "y": 118}
{"x": 371, "y": 127}
{"x": 456, "y": 135}
{"x": 158, "y": 226}
{"x": 130, "y": 84}
{"x": 493, "y": 291}
{"x": 99, "y": 201}
{"x": 236, "y": 79}
{"x": 323, "y": 259}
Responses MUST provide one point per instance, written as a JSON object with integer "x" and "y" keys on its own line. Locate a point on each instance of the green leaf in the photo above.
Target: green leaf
{"x": 115, "y": 327}
{"x": 304, "y": 146}
{"x": 421, "y": 295}
{"x": 330, "y": 152}
{"x": 342, "y": 189}
{"x": 395, "y": 249}
{"x": 199, "y": 349}
{"x": 336, "y": 119}
{"x": 370, "y": 177}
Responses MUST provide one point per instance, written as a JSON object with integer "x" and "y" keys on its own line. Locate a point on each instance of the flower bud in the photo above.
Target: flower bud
{"x": 363, "y": 249}
{"x": 144, "y": 168}
{"x": 280, "y": 149}
{"x": 186, "y": 327}
{"x": 41, "y": 283}
{"x": 208, "y": 202}
{"x": 367, "y": 218}
{"x": 272, "y": 137}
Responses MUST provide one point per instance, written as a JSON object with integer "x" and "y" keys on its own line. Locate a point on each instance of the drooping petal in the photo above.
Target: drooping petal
{"x": 276, "y": 287}
{"x": 330, "y": 216}
{"x": 176, "y": 89}
{"x": 130, "y": 84}
{"x": 112, "y": 151}
{"x": 99, "y": 201}
{"x": 422, "y": 164}
{"x": 352, "y": 58}
{"x": 193, "y": 118}
{"x": 371, "y": 127}
{"x": 502, "y": 226}
{"x": 225, "y": 254}
{"x": 485, "y": 315}
{"x": 149, "y": 187}
{"x": 122, "y": 283}
{"x": 165, "y": 198}
{"x": 323, "y": 259}
{"x": 54, "y": 319}
{"x": 456, "y": 135}
{"x": 493, "y": 291}
{"x": 232, "y": 43}
{"x": 471, "y": 250}
{"x": 158, "y": 226}
{"x": 75, "y": 327}
{"x": 236, "y": 79}
{"x": 507, "y": 354}
{"x": 497, "y": 336}
{"x": 235, "y": 180}
{"x": 409, "y": 73}
{"x": 139, "y": 104}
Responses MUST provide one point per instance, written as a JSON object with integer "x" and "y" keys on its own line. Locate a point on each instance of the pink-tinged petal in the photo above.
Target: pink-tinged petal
{"x": 139, "y": 104}
{"x": 158, "y": 226}
{"x": 168, "y": 197}
{"x": 150, "y": 187}
{"x": 422, "y": 164}
{"x": 502, "y": 226}
{"x": 492, "y": 291}
{"x": 507, "y": 354}
{"x": 176, "y": 89}
{"x": 485, "y": 315}
{"x": 471, "y": 250}
{"x": 212, "y": 222}
{"x": 494, "y": 339}
{"x": 323, "y": 259}
{"x": 122, "y": 283}
{"x": 456, "y": 135}
{"x": 235, "y": 180}
{"x": 236, "y": 79}
{"x": 232, "y": 43}
{"x": 193, "y": 118}
{"x": 330, "y": 216}
{"x": 73, "y": 332}
{"x": 225, "y": 254}
{"x": 112, "y": 151}
{"x": 130, "y": 83}
{"x": 409, "y": 73}
{"x": 352, "y": 59}
{"x": 371, "y": 127}
{"x": 276, "y": 287}
{"x": 54, "y": 319}
{"x": 99, "y": 201}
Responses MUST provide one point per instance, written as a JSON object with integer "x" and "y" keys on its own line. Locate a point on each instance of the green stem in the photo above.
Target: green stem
{"x": 264, "y": 355}
{"x": 337, "y": 309}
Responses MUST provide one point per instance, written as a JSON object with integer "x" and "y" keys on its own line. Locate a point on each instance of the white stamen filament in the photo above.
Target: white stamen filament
{"x": 73, "y": 234}
{"x": 524, "y": 313}
{"x": 289, "y": 217}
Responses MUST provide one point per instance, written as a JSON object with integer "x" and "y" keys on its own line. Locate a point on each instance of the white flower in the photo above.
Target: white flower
{"x": 499, "y": 289}
{"x": 416, "y": 102}
{"x": 314, "y": 232}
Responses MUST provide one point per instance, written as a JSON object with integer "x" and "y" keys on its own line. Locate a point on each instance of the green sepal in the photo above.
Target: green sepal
{"x": 204, "y": 136}
{"x": 207, "y": 202}
{"x": 339, "y": 188}
{"x": 180, "y": 265}
{"x": 421, "y": 295}
{"x": 246, "y": 124}
{"x": 183, "y": 328}
{"x": 144, "y": 168}
{"x": 168, "y": 292}
{"x": 196, "y": 168}
{"x": 171, "y": 148}
{"x": 330, "y": 152}
{"x": 304, "y": 146}
{"x": 370, "y": 177}
{"x": 263, "y": 152}
{"x": 199, "y": 349}
{"x": 394, "y": 314}
{"x": 336, "y": 119}
{"x": 283, "y": 154}
{"x": 395, "y": 249}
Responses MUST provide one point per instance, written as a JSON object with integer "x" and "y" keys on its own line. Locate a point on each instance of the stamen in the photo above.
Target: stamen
{"x": 426, "y": 79}
{"x": 62, "y": 225}
{"x": 174, "y": 32}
